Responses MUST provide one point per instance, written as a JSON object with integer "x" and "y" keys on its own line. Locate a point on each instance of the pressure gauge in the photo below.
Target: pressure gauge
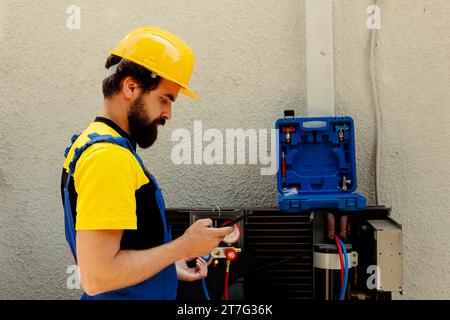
{"x": 234, "y": 236}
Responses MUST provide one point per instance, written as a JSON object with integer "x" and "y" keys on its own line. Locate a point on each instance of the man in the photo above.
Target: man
{"x": 114, "y": 211}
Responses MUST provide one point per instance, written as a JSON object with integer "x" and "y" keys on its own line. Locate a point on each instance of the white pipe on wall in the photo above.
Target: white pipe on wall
{"x": 3, "y": 4}
{"x": 319, "y": 57}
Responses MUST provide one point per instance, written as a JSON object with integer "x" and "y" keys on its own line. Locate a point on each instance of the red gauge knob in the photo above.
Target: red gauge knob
{"x": 231, "y": 254}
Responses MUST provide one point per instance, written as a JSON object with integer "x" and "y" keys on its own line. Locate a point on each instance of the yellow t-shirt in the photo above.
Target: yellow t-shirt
{"x": 106, "y": 179}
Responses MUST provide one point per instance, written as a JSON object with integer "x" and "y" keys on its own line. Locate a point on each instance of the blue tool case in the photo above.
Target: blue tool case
{"x": 317, "y": 164}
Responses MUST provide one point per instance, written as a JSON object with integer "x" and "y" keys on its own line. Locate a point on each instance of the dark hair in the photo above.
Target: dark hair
{"x": 113, "y": 83}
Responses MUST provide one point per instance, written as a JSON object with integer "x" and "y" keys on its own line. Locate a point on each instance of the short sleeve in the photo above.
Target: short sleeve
{"x": 105, "y": 181}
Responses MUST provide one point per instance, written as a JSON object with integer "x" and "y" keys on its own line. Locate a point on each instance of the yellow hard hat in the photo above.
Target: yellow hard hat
{"x": 161, "y": 52}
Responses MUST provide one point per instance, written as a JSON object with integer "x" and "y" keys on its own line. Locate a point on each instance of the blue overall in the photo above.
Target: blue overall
{"x": 162, "y": 286}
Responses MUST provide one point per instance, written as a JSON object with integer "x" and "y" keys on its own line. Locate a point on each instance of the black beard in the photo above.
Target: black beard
{"x": 144, "y": 133}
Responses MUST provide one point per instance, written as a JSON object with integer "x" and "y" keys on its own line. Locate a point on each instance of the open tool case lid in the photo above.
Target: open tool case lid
{"x": 317, "y": 164}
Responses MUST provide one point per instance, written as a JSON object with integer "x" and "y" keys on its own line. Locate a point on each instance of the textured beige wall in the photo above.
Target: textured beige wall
{"x": 251, "y": 65}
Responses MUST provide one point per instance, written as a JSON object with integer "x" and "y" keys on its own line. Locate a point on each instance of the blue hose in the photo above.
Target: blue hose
{"x": 344, "y": 288}
{"x": 205, "y": 290}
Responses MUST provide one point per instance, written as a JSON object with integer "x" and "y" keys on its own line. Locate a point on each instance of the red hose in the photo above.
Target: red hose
{"x": 225, "y": 288}
{"x": 341, "y": 259}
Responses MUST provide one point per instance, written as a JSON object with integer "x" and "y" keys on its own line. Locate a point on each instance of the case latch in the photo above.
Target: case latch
{"x": 289, "y": 114}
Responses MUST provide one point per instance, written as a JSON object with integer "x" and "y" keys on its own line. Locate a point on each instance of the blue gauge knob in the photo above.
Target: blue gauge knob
{"x": 207, "y": 257}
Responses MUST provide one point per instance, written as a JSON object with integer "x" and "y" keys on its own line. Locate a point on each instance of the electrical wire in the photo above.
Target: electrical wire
{"x": 344, "y": 289}
{"x": 376, "y": 102}
{"x": 341, "y": 259}
{"x": 205, "y": 289}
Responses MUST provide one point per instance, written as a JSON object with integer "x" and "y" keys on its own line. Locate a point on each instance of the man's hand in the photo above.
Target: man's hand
{"x": 202, "y": 239}
{"x": 198, "y": 272}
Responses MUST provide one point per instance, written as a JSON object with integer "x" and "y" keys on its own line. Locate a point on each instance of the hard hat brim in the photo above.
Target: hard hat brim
{"x": 190, "y": 93}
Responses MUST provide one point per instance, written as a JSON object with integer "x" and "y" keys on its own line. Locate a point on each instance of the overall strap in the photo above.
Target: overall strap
{"x": 162, "y": 209}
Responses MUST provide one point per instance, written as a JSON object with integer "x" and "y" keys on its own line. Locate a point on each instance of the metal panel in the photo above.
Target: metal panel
{"x": 389, "y": 250}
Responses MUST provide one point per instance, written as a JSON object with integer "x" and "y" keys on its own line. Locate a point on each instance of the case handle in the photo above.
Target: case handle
{"x": 314, "y": 124}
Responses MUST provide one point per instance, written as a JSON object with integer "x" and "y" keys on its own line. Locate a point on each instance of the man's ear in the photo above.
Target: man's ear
{"x": 130, "y": 88}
